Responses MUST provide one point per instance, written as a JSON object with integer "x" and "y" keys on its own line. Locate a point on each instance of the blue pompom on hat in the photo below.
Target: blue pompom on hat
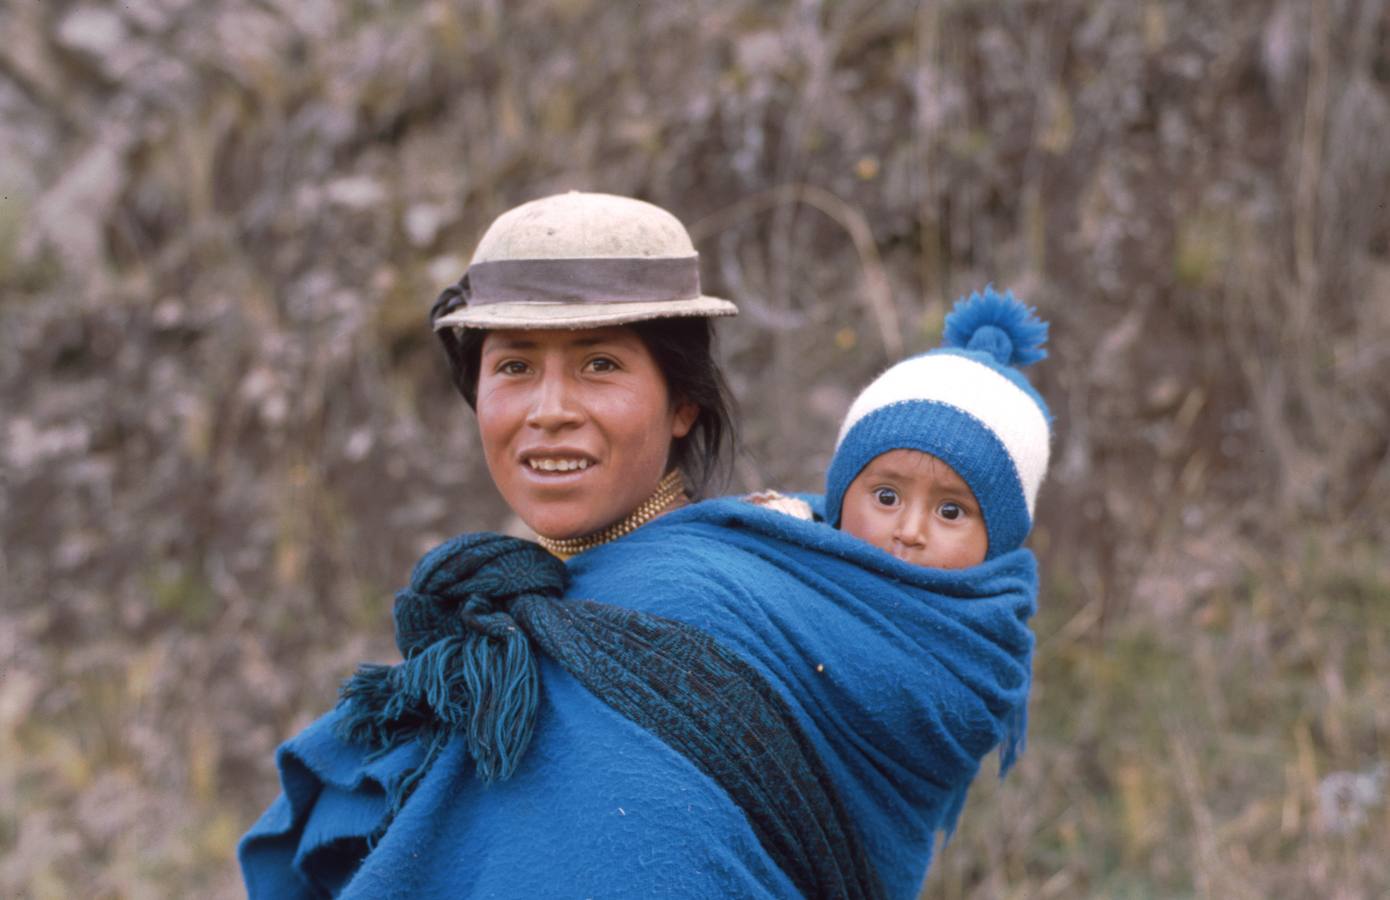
{"x": 967, "y": 404}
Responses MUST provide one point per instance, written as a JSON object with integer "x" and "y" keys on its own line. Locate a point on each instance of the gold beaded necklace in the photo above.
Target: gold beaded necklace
{"x": 670, "y": 487}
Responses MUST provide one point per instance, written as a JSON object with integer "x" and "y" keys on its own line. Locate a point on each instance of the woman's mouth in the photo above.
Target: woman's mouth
{"x": 557, "y": 464}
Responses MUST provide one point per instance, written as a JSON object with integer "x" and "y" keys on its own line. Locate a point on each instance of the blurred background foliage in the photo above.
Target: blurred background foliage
{"x": 225, "y": 432}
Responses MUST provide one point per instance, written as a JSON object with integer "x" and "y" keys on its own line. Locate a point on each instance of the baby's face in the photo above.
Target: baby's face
{"x": 917, "y": 508}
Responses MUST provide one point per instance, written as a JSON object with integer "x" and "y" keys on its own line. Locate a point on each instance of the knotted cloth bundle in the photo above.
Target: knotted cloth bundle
{"x": 469, "y": 670}
{"x": 465, "y": 628}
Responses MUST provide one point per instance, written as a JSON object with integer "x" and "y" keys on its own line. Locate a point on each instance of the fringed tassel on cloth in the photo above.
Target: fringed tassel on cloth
{"x": 1015, "y": 737}
{"x": 469, "y": 669}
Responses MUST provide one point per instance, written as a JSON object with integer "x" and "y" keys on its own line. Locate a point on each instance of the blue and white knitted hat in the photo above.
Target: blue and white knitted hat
{"x": 967, "y": 404}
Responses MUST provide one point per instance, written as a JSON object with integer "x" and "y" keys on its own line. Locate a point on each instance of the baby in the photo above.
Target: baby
{"x": 939, "y": 459}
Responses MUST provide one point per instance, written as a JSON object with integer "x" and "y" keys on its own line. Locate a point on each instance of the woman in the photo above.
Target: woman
{"x": 713, "y": 700}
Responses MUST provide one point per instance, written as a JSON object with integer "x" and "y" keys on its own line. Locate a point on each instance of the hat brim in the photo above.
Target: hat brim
{"x": 537, "y": 314}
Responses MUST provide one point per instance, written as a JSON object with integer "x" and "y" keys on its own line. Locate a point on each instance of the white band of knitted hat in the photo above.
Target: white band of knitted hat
{"x": 1003, "y": 407}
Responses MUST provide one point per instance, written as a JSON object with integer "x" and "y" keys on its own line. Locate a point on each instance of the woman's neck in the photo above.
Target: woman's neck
{"x": 669, "y": 495}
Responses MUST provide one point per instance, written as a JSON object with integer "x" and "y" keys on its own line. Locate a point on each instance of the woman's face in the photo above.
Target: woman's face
{"x": 576, "y": 426}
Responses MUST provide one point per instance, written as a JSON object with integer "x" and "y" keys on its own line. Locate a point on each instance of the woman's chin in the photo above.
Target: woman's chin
{"x": 561, "y": 534}
{"x": 557, "y": 505}
{"x": 562, "y": 524}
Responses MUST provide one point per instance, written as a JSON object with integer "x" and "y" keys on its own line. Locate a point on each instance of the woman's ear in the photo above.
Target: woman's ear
{"x": 684, "y": 420}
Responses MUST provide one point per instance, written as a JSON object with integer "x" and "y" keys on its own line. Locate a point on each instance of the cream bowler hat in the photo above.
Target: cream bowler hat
{"x": 579, "y": 260}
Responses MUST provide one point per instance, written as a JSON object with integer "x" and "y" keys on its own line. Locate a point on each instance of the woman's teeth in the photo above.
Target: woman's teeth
{"x": 558, "y": 465}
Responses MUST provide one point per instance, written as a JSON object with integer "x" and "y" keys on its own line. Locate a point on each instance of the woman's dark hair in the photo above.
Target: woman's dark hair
{"x": 683, "y": 349}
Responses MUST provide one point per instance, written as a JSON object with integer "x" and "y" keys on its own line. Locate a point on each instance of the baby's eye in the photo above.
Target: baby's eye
{"x": 951, "y": 511}
{"x": 602, "y": 364}
{"x": 886, "y": 496}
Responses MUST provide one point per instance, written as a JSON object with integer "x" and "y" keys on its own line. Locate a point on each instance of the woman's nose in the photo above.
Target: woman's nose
{"x": 554, "y": 405}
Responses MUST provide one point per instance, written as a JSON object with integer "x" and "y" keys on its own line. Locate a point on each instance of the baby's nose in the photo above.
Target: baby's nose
{"x": 910, "y": 529}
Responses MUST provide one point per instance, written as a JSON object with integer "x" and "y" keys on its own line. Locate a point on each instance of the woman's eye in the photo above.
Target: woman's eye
{"x": 886, "y": 497}
{"x": 602, "y": 364}
{"x": 512, "y": 367}
{"x": 951, "y": 511}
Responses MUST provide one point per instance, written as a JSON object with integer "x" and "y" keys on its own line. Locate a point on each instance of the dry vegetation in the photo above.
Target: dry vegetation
{"x": 225, "y": 432}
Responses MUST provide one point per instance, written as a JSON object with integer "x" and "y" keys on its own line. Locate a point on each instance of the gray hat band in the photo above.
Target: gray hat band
{"x": 588, "y": 280}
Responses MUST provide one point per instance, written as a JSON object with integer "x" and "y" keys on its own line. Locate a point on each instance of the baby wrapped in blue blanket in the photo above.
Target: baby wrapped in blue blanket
{"x": 726, "y": 702}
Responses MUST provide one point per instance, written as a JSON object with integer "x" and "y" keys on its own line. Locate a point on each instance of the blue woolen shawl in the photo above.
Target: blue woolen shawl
{"x": 902, "y": 678}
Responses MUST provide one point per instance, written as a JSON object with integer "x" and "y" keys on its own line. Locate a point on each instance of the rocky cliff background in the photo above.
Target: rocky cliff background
{"x": 225, "y": 432}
